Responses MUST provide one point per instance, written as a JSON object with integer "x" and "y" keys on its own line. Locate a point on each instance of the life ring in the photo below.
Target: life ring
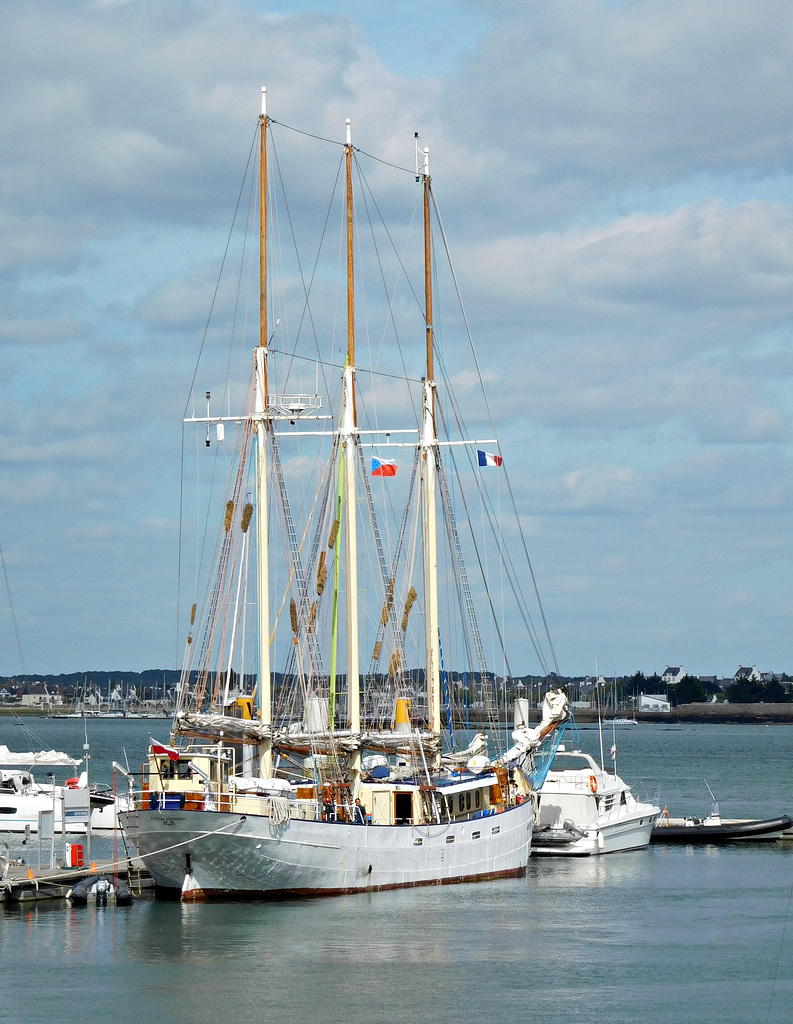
{"x": 72, "y": 783}
{"x": 593, "y": 783}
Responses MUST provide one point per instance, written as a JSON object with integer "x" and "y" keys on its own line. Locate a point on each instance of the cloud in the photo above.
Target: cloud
{"x": 35, "y": 331}
{"x": 612, "y": 179}
{"x": 651, "y": 321}
{"x": 60, "y": 451}
{"x": 600, "y": 485}
{"x": 181, "y": 303}
{"x": 592, "y": 100}
{"x": 150, "y": 108}
{"x": 704, "y": 257}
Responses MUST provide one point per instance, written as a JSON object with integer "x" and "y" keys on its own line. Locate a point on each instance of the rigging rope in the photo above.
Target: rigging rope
{"x": 492, "y": 425}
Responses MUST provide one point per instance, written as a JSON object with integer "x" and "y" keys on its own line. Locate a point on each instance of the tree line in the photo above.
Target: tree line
{"x": 742, "y": 690}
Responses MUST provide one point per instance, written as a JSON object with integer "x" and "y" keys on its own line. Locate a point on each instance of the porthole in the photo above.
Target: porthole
{"x": 449, "y": 839}
{"x": 475, "y": 835}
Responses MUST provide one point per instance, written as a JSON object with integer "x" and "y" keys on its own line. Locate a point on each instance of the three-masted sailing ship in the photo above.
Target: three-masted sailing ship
{"x": 329, "y": 776}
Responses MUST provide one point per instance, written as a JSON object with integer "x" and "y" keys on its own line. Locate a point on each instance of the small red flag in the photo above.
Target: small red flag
{"x": 160, "y": 748}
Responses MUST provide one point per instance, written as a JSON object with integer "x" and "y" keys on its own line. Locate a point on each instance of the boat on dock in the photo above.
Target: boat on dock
{"x": 331, "y": 775}
{"x": 713, "y": 829}
{"x": 19, "y": 883}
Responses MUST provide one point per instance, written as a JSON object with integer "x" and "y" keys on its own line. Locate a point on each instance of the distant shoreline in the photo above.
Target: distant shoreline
{"x": 686, "y": 714}
{"x": 683, "y": 714}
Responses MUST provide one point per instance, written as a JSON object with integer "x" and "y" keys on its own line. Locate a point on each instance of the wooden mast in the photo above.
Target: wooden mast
{"x": 348, "y": 439}
{"x": 264, "y": 688}
{"x": 263, "y": 224}
{"x": 429, "y": 448}
{"x": 428, "y": 269}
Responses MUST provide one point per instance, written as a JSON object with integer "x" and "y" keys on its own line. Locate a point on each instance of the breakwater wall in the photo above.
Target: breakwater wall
{"x": 683, "y": 714}
{"x": 717, "y": 713}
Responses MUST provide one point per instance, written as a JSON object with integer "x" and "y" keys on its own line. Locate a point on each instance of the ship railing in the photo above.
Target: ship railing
{"x": 277, "y": 807}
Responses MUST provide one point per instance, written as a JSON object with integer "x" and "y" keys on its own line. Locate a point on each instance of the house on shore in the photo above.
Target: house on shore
{"x": 654, "y": 702}
{"x": 748, "y": 672}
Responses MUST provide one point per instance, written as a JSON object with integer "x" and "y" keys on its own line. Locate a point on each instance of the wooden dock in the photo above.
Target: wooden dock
{"x": 22, "y": 885}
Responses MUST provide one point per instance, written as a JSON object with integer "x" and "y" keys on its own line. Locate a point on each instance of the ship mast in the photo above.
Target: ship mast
{"x": 349, "y": 432}
{"x": 262, "y": 426}
{"x": 429, "y": 448}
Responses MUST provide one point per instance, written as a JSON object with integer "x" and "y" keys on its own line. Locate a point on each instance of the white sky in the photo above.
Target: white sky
{"x": 616, "y": 182}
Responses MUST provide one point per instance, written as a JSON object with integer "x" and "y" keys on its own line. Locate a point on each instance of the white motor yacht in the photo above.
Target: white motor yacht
{"x": 585, "y": 810}
{"x": 22, "y": 798}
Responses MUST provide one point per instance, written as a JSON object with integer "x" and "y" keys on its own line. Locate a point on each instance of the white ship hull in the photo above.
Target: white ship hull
{"x": 206, "y": 854}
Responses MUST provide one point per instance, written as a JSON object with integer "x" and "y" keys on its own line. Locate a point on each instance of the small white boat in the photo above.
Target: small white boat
{"x": 585, "y": 810}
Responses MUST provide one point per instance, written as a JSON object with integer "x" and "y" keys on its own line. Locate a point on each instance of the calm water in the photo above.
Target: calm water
{"x": 667, "y": 934}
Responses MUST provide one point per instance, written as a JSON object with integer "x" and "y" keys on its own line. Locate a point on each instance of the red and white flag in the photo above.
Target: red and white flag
{"x": 160, "y": 748}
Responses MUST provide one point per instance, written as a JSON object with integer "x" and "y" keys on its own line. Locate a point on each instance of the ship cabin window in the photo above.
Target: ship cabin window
{"x": 175, "y": 769}
{"x": 468, "y": 800}
{"x": 462, "y": 802}
{"x": 478, "y": 801}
